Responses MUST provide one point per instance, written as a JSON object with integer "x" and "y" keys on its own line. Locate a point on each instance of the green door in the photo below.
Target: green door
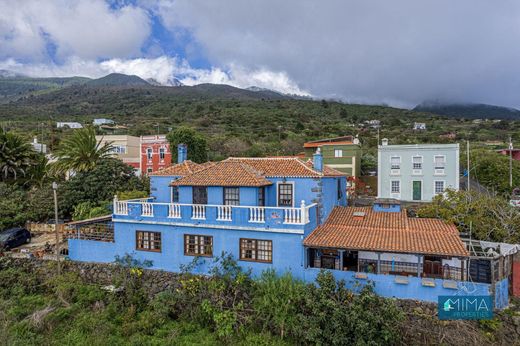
{"x": 417, "y": 190}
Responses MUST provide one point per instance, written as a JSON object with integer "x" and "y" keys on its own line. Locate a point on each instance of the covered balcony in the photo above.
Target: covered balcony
{"x": 284, "y": 219}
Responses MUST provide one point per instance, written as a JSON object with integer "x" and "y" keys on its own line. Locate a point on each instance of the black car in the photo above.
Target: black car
{"x": 14, "y": 237}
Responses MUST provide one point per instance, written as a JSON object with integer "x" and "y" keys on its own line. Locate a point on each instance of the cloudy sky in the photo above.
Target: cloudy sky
{"x": 398, "y": 52}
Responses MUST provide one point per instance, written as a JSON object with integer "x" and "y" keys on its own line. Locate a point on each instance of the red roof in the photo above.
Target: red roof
{"x": 182, "y": 169}
{"x": 224, "y": 173}
{"x": 329, "y": 141}
{"x": 285, "y": 167}
{"x": 361, "y": 228}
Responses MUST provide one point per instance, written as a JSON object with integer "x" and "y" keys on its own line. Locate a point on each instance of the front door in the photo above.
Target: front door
{"x": 417, "y": 191}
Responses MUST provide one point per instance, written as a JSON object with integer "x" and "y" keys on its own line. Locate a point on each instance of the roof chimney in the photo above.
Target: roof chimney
{"x": 182, "y": 153}
{"x": 317, "y": 160}
{"x": 384, "y": 141}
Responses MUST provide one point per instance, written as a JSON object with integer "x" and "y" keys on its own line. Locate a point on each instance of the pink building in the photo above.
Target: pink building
{"x": 155, "y": 153}
{"x": 515, "y": 152}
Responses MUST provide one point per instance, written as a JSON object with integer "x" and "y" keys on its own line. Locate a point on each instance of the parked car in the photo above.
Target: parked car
{"x": 14, "y": 237}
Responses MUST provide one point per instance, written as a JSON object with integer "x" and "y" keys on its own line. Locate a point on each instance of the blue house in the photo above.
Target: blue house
{"x": 290, "y": 215}
{"x": 257, "y": 209}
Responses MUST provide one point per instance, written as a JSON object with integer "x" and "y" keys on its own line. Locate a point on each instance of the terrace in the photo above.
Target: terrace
{"x": 275, "y": 219}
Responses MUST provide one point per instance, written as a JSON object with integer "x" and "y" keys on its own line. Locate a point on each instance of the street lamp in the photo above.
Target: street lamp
{"x": 55, "y": 189}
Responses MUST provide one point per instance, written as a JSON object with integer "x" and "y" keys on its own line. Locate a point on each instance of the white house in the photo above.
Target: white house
{"x": 39, "y": 147}
{"x": 417, "y": 172}
{"x": 103, "y": 121}
{"x": 419, "y": 126}
{"x": 70, "y": 125}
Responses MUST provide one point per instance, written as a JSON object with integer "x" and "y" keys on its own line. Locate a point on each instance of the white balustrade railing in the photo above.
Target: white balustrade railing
{"x": 147, "y": 209}
{"x": 120, "y": 208}
{"x": 174, "y": 211}
{"x": 224, "y": 212}
{"x": 257, "y": 214}
{"x": 198, "y": 212}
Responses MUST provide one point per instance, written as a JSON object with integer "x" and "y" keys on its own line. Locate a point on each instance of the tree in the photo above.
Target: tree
{"x": 81, "y": 152}
{"x": 489, "y": 218}
{"x": 197, "y": 144}
{"x": 16, "y": 156}
{"x": 107, "y": 178}
{"x": 491, "y": 169}
{"x": 12, "y": 206}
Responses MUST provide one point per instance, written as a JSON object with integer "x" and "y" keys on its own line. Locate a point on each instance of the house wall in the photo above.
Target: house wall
{"x": 386, "y": 286}
{"x": 406, "y": 176}
{"x": 160, "y": 188}
{"x": 287, "y": 248}
{"x": 155, "y": 143}
{"x": 350, "y": 163}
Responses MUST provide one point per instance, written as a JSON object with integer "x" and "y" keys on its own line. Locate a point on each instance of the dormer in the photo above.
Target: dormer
{"x": 387, "y": 205}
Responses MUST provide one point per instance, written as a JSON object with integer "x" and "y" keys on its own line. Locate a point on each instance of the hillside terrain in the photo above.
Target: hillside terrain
{"x": 236, "y": 121}
{"x": 474, "y": 111}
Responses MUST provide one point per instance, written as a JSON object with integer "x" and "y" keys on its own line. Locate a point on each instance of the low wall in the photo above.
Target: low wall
{"x": 386, "y": 286}
{"x": 154, "y": 281}
{"x": 35, "y": 227}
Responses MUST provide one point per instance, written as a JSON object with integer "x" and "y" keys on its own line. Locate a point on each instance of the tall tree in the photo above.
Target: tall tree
{"x": 16, "y": 156}
{"x": 81, "y": 152}
{"x": 196, "y": 142}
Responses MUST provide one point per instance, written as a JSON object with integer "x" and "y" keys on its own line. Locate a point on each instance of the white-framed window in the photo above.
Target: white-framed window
{"x": 149, "y": 153}
{"x": 338, "y": 153}
{"x": 118, "y": 149}
{"x": 285, "y": 194}
{"x": 417, "y": 162}
{"x": 395, "y": 186}
{"x": 162, "y": 153}
{"x": 439, "y": 161}
{"x": 395, "y": 162}
{"x": 439, "y": 187}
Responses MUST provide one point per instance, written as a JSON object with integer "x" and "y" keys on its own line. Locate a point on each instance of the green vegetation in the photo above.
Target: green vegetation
{"x": 80, "y": 151}
{"x": 227, "y": 308}
{"x": 487, "y": 217}
{"x": 16, "y": 156}
{"x": 198, "y": 147}
{"x": 25, "y": 182}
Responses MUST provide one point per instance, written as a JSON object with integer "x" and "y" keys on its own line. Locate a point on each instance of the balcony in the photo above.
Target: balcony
{"x": 297, "y": 220}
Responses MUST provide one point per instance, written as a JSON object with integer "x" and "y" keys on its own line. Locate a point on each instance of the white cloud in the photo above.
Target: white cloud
{"x": 163, "y": 69}
{"x": 88, "y": 29}
{"x": 401, "y": 51}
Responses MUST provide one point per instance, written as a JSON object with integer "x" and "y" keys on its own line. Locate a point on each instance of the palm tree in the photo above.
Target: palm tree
{"x": 16, "y": 156}
{"x": 81, "y": 151}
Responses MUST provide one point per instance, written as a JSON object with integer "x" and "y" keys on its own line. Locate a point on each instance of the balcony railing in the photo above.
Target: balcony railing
{"x": 254, "y": 216}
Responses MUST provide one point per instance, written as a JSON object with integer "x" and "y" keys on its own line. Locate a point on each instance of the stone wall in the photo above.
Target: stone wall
{"x": 154, "y": 281}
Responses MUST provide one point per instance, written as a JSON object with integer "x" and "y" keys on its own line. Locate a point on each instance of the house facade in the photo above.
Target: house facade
{"x": 70, "y": 125}
{"x": 259, "y": 210}
{"x": 340, "y": 153}
{"x": 417, "y": 172}
{"x": 102, "y": 121}
{"x": 155, "y": 153}
{"x": 126, "y": 148}
{"x": 289, "y": 215}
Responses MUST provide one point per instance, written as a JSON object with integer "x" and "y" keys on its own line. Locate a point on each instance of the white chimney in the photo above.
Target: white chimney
{"x": 384, "y": 141}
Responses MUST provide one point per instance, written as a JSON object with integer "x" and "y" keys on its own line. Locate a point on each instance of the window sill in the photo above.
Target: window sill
{"x": 148, "y": 250}
{"x": 256, "y": 261}
{"x": 197, "y": 255}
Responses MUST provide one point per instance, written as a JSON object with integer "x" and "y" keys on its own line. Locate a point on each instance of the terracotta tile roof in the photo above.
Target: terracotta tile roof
{"x": 224, "y": 173}
{"x": 284, "y": 167}
{"x": 329, "y": 141}
{"x": 182, "y": 169}
{"x": 387, "y": 232}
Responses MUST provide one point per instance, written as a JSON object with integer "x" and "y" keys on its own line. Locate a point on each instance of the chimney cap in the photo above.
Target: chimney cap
{"x": 384, "y": 141}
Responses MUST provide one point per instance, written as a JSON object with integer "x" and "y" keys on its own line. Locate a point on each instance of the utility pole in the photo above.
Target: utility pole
{"x": 468, "y": 169}
{"x": 56, "y": 231}
{"x": 510, "y": 162}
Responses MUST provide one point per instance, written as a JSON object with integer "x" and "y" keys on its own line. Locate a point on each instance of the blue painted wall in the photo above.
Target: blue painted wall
{"x": 160, "y": 188}
{"x": 287, "y": 248}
